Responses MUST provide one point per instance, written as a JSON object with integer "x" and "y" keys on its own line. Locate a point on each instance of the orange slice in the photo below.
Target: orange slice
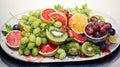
{"x": 78, "y": 22}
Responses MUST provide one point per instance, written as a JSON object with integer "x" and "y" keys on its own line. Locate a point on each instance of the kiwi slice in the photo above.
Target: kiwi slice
{"x": 56, "y": 36}
{"x": 88, "y": 49}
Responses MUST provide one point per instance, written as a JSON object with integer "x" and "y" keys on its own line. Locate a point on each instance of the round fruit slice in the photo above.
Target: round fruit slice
{"x": 13, "y": 38}
{"x": 59, "y": 16}
{"x": 48, "y": 49}
{"x": 78, "y": 37}
{"x": 56, "y": 36}
{"x": 78, "y": 22}
{"x": 88, "y": 49}
{"x": 45, "y": 14}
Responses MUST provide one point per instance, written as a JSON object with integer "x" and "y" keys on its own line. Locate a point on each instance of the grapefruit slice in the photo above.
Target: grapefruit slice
{"x": 13, "y": 38}
{"x": 78, "y": 22}
{"x": 45, "y": 14}
{"x": 48, "y": 49}
{"x": 78, "y": 37}
{"x": 59, "y": 16}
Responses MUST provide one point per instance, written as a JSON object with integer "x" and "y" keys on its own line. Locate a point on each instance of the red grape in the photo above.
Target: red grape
{"x": 96, "y": 27}
{"x": 107, "y": 26}
{"x": 103, "y": 31}
{"x": 89, "y": 30}
{"x": 101, "y": 23}
{"x": 93, "y": 19}
{"x": 97, "y": 34}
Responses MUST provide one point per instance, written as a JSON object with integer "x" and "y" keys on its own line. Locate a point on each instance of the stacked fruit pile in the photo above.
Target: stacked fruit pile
{"x": 60, "y": 32}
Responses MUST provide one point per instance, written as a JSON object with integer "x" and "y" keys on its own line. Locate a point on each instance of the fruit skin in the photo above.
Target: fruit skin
{"x": 88, "y": 49}
{"x": 45, "y": 14}
{"x": 16, "y": 27}
{"x": 111, "y": 31}
{"x": 49, "y": 53}
{"x": 14, "y": 36}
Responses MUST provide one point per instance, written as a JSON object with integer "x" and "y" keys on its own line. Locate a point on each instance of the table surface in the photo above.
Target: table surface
{"x": 110, "y": 7}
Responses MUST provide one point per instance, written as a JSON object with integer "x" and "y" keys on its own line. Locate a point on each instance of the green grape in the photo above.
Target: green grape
{"x": 24, "y": 17}
{"x": 32, "y": 38}
{"x": 44, "y": 40}
{"x": 31, "y": 13}
{"x": 58, "y": 24}
{"x": 27, "y": 28}
{"x": 27, "y": 34}
{"x": 26, "y": 51}
{"x": 30, "y": 45}
{"x": 24, "y": 40}
{"x": 23, "y": 33}
{"x": 35, "y": 51}
{"x": 22, "y": 46}
{"x": 43, "y": 25}
{"x": 32, "y": 19}
{"x": 37, "y": 13}
{"x": 39, "y": 21}
{"x": 60, "y": 50}
{"x": 35, "y": 24}
{"x": 36, "y": 31}
{"x": 22, "y": 21}
{"x": 57, "y": 55}
{"x": 62, "y": 56}
{"x": 38, "y": 41}
{"x": 42, "y": 34}
{"x": 20, "y": 51}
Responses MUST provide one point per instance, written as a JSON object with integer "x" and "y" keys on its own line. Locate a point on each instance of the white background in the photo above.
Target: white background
{"x": 110, "y": 7}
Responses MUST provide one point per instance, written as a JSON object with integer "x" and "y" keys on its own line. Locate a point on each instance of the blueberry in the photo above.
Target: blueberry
{"x": 103, "y": 46}
{"x": 16, "y": 27}
{"x": 112, "y": 31}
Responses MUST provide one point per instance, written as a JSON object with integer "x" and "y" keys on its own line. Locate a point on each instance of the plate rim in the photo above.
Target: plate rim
{"x": 63, "y": 60}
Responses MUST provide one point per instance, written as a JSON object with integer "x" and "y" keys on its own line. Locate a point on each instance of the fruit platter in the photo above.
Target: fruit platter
{"x": 60, "y": 34}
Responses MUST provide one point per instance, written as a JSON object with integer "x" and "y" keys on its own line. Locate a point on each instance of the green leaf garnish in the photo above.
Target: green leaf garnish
{"x": 8, "y": 27}
{"x": 4, "y": 32}
{"x": 58, "y": 7}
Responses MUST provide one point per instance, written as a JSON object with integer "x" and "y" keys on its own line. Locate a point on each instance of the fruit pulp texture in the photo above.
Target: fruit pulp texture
{"x": 45, "y": 48}
{"x": 46, "y": 13}
{"x": 14, "y": 38}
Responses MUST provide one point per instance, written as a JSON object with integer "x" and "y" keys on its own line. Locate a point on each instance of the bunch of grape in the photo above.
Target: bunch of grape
{"x": 33, "y": 30}
{"x": 97, "y": 28}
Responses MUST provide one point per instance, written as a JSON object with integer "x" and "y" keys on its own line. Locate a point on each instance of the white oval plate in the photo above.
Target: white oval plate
{"x": 41, "y": 59}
